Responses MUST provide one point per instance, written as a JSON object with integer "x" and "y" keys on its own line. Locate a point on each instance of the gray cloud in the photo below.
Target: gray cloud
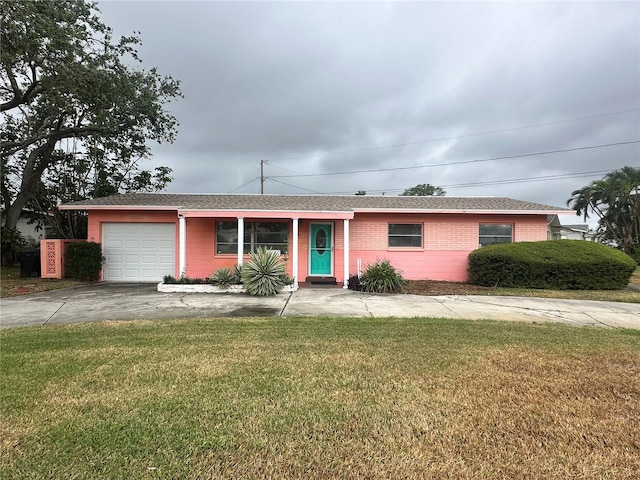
{"x": 280, "y": 80}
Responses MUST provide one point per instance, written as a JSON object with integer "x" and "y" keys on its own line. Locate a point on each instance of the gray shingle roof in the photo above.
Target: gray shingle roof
{"x": 331, "y": 203}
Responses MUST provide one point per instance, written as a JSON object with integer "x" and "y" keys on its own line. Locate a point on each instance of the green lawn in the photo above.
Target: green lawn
{"x": 319, "y": 398}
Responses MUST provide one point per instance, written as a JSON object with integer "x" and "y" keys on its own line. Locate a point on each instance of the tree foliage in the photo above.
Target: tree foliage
{"x": 76, "y": 114}
{"x": 615, "y": 200}
{"x": 424, "y": 190}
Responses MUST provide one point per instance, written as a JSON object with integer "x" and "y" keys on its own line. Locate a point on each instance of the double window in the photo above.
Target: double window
{"x": 405, "y": 235}
{"x": 272, "y": 235}
{"x": 491, "y": 233}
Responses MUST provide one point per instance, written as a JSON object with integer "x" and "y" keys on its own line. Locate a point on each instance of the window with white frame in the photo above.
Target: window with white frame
{"x": 491, "y": 233}
{"x": 405, "y": 235}
{"x": 272, "y": 235}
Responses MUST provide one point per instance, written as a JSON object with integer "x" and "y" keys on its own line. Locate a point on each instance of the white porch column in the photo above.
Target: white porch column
{"x": 294, "y": 257}
{"x": 182, "y": 232}
{"x": 346, "y": 253}
{"x": 240, "y": 240}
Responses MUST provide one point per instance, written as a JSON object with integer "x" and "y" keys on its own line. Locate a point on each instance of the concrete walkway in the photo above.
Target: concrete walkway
{"x": 112, "y": 301}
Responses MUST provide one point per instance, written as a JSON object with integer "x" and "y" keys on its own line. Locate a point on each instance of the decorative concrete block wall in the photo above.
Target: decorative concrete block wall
{"x": 52, "y": 257}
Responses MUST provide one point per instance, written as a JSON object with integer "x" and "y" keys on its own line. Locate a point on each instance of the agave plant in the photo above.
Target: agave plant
{"x": 263, "y": 273}
{"x": 223, "y": 277}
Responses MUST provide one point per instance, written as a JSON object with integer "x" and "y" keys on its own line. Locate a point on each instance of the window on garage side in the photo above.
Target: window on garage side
{"x": 273, "y": 235}
{"x": 491, "y": 233}
{"x": 405, "y": 235}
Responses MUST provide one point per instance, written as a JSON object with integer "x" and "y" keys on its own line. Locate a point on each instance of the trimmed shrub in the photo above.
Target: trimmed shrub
{"x": 553, "y": 264}
{"x": 12, "y": 242}
{"x": 184, "y": 280}
{"x": 83, "y": 261}
{"x": 354, "y": 283}
{"x": 381, "y": 277}
{"x": 264, "y": 272}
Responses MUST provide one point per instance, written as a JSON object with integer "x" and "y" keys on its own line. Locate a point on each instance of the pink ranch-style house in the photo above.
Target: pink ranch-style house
{"x": 145, "y": 236}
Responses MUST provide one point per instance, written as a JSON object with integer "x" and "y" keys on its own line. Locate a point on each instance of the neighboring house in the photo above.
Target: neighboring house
{"x": 145, "y": 236}
{"x": 557, "y": 231}
{"x": 32, "y": 232}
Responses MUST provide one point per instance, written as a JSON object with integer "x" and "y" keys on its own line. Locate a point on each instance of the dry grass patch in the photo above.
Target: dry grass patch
{"x": 524, "y": 412}
{"x": 431, "y": 287}
{"x": 320, "y": 398}
{"x": 11, "y": 284}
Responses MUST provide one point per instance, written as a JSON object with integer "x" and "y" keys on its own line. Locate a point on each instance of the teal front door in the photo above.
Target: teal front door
{"x": 321, "y": 249}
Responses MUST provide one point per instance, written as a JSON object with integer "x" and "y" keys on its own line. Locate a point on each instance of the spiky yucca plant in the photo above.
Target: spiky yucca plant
{"x": 263, "y": 273}
{"x": 223, "y": 277}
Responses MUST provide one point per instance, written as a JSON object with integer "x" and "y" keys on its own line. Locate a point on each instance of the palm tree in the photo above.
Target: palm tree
{"x": 615, "y": 200}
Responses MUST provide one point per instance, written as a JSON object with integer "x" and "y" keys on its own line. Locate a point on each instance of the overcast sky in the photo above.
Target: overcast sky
{"x": 315, "y": 87}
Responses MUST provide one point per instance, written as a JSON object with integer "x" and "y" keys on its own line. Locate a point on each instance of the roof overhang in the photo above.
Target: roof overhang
{"x": 300, "y": 214}
{"x": 464, "y": 211}
{"x": 304, "y": 214}
{"x": 119, "y": 207}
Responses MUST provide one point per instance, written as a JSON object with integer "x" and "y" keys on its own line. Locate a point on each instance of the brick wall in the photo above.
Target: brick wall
{"x": 447, "y": 240}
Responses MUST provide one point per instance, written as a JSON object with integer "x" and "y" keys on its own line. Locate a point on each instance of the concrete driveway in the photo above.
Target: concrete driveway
{"x": 113, "y": 301}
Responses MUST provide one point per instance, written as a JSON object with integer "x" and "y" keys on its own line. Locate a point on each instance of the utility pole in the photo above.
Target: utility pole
{"x": 261, "y": 177}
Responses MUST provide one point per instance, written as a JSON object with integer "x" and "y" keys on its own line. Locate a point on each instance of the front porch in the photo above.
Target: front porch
{"x": 315, "y": 244}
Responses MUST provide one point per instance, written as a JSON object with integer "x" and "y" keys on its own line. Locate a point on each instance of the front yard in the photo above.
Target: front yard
{"x": 319, "y": 398}
{"x": 11, "y": 284}
{"x": 430, "y": 287}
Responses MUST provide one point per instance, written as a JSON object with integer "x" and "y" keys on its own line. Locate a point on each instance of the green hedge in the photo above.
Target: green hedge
{"x": 83, "y": 261}
{"x": 555, "y": 264}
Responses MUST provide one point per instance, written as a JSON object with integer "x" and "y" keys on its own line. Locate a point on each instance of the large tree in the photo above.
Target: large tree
{"x": 615, "y": 200}
{"x": 83, "y": 176}
{"x": 424, "y": 190}
{"x": 70, "y": 91}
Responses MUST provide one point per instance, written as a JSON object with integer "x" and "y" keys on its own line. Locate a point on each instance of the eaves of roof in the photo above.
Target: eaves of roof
{"x": 342, "y": 205}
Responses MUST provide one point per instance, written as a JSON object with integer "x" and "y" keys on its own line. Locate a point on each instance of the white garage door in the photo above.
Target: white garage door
{"x": 138, "y": 252}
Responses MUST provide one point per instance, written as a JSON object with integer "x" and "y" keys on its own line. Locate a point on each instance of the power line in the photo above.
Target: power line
{"x": 294, "y": 186}
{"x": 522, "y": 155}
{"x": 477, "y": 134}
{"x": 562, "y": 176}
{"x": 243, "y": 185}
{"x": 298, "y": 173}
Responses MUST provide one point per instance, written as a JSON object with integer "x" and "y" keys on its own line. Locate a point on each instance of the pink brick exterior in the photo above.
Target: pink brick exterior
{"x": 447, "y": 240}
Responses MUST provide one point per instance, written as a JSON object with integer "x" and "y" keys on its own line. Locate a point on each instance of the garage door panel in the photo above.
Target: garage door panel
{"x": 149, "y": 259}
{"x": 138, "y": 252}
{"x": 112, "y": 243}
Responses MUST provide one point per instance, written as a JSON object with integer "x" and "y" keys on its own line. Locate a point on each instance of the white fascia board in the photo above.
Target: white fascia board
{"x": 118, "y": 207}
{"x": 254, "y": 213}
{"x": 462, "y": 210}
